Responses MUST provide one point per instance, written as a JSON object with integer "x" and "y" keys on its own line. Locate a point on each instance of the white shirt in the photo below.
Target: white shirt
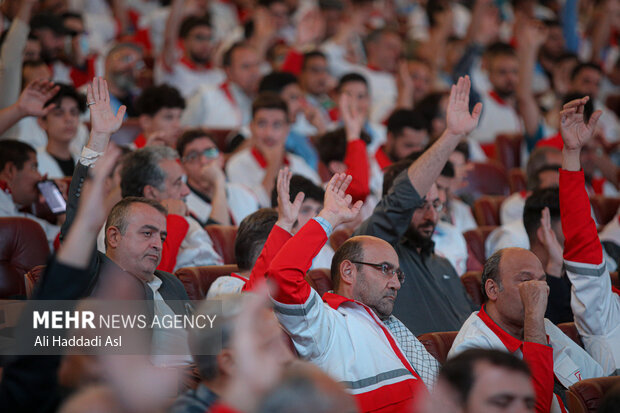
{"x": 245, "y": 168}
{"x": 507, "y": 236}
{"x": 222, "y": 106}
{"x": 48, "y": 165}
{"x": 497, "y": 117}
{"x": 512, "y": 208}
{"x": 28, "y": 131}
{"x": 462, "y": 217}
{"x": 241, "y": 203}
{"x": 450, "y": 244}
{"x": 225, "y": 285}
{"x": 324, "y": 258}
{"x": 187, "y": 78}
{"x": 9, "y": 209}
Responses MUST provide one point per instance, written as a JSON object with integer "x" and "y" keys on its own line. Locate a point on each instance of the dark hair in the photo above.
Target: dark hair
{"x": 352, "y": 250}
{"x": 448, "y": 170}
{"x": 268, "y": 3}
{"x": 67, "y": 91}
{"x": 118, "y": 215}
{"x": 588, "y": 108}
{"x": 491, "y": 272}
{"x": 190, "y": 136}
{"x": 251, "y": 236}
{"x": 192, "y": 22}
{"x": 405, "y": 118}
{"x": 392, "y": 171}
{"x": 460, "y": 371}
{"x": 332, "y": 146}
{"x": 429, "y": 106}
{"x": 15, "y": 152}
{"x": 376, "y": 35}
{"x": 463, "y": 147}
{"x": 536, "y": 164}
{"x": 311, "y": 55}
{"x": 227, "y": 56}
{"x": 141, "y": 168}
{"x": 155, "y": 98}
{"x": 499, "y": 49}
{"x": 583, "y": 66}
{"x": 301, "y": 184}
{"x": 276, "y": 82}
{"x": 434, "y": 7}
{"x": 534, "y": 204}
{"x": 349, "y": 78}
{"x": 33, "y": 63}
{"x": 269, "y": 100}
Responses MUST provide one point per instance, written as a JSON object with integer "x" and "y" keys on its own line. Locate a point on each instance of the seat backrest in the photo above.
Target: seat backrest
{"x": 517, "y": 180}
{"x": 223, "y": 237}
{"x": 320, "y": 279}
{"x": 508, "y": 150}
{"x": 585, "y": 396}
{"x": 198, "y": 280}
{"x": 472, "y": 281}
{"x": 486, "y": 178}
{"x": 605, "y": 208}
{"x": 438, "y": 344}
{"x": 475, "y": 241}
{"x": 486, "y": 209}
{"x": 23, "y": 245}
{"x": 338, "y": 237}
{"x": 32, "y": 277}
{"x": 571, "y": 331}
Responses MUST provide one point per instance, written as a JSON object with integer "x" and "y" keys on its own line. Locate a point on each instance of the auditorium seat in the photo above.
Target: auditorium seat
{"x": 615, "y": 280}
{"x": 475, "y": 241}
{"x": 517, "y": 180}
{"x": 486, "y": 209}
{"x": 23, "y": 245}
{"x": 486, "y": 178}
{"x": 32, "y": 277}
{"x": 197, "y": 280}
{"x": 585, "y": 396}
{"x": 320, "y": 279}
{"x": 605, "y": 208}
{"x": 472, "y": 281}
{"x": 508, "y": 150}
{"x": 223, "y": 237}
{"x": 438, "y": 344}
{"x": 339, "y": 237}
{"x": 571, "y": 331}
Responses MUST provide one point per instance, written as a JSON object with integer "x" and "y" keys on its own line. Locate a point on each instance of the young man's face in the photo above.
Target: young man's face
{"x": 194, "y": 157}
{"x": 358, "y": 91}
{"x": 198, "y": 44}
{"x": 587, "y": 82}
{"x": 269, "y": 128}
{"x": 24, "y": 185}
{"x": 167, "y": 121}
{"x": 244, "y": 69}
{"x": 408, "y": 141}
{"x": 61, "y": 124}
{"x": 315, "y": 77}
{"x": 310, "y": 208}
{"x": 421, "y": 77}
{"x": 504, "y": 74}
{"x": 293, "y": 96}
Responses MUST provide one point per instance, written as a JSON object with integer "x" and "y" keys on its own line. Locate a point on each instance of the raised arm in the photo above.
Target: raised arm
{"x": 169, "y": 54}
{"x": 356, "y": 158}
{"x": 31, "y": 102}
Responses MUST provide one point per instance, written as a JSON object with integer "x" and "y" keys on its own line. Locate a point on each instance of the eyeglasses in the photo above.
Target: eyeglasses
{"x": 211, "y": 153}
{"x": 386, "y": 269}
{"x": 437, "y": 205}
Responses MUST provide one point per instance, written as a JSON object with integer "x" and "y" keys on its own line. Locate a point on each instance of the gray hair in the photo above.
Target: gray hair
{"x": 141, "y": 168}
{"x": 491, "y": 272}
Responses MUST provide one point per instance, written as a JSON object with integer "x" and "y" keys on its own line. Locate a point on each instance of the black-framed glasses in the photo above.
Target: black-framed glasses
{"x": 211, "y": 153}
{"x": 386, "y": 269}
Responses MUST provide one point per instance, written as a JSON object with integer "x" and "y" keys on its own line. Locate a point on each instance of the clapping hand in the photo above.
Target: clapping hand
{"x": 32, "y": 100}
{"x": 337, "y": 208}
{"x": 575, "y": 132}
{"x": 287, "y": 210}
{"x": 459, "y": 121}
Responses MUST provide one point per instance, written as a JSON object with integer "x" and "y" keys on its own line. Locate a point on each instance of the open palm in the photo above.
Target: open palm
{"x": 459, "y": 120}
{"x": 575, "y": 132}
{"x": 102, "y": 117}
{"x": 337, "y": 208}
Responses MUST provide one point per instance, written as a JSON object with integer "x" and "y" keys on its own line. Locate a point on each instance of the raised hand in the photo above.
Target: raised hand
{"x": 337, "y": 208}
{"x": 405, "y": 86}
{"x": 352, "y": 116}
{"x": 459, "y": 121}
{"x": 287, "y": 210}
{"x": 32, "y": 100}
{"x": 575, "y": 132}
{"x": 552, "y": 245}
{"x": 102, "y": 119}
{"x": 533, "y": 34}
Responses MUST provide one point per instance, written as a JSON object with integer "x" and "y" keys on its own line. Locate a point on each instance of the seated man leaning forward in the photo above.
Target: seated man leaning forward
{"x": 513, "y": 319}
{"x": 351, "y": 335}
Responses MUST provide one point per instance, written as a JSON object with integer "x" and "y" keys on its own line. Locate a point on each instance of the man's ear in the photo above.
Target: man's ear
{"x": 492, "y": 289}
{"x": 348, "y": 272}
{"x": 540, "y": 234}
{"x": 42, "y": 122}
{"x": 150, "y": 192}
{"x": 113, "y": 237}
{"x": 226, "y": 362}
{"x": 9, "y": 171}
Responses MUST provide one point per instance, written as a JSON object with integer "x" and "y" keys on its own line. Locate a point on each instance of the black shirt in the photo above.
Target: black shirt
{"x": 66, "y": 166}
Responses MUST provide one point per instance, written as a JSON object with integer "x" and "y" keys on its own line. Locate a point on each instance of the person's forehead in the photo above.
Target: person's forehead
{"x": 203, "y": 28}
{"x": 68, "y": 102}
{"x": 490, "y": 379}
{"x": 270, "y": 114}
{"x": 377, "y": 250}
{"x": 414, "y": 134}
{"x": 355, "y": 87}
{"x": 316, "y": 61}
{"x": 432, "y": 193}
{"x": 198, "y": 145}
{"x": 312, "y": 203}
{"x": 140, "y": 214}
{"x": 242, "y": 54}
{"x": 171, "y": 168}
{"x": 504, "y": 60}
{"x": 291, "y": 88}
{"x": 518, "y": 260}
{"x": 589, "y": 73}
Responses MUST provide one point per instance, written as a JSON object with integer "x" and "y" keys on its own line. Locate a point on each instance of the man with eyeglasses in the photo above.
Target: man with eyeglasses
{"x": 352, "y": 334}
{"x": 432, "y": 298}
{"x": 211, "y": 199}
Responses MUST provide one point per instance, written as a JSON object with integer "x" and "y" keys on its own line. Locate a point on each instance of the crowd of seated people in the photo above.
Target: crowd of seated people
{"x": 406, "y": 206}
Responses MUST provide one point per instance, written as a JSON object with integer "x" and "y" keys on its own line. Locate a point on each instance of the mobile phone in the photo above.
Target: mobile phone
{"x": 53, "y": 197}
